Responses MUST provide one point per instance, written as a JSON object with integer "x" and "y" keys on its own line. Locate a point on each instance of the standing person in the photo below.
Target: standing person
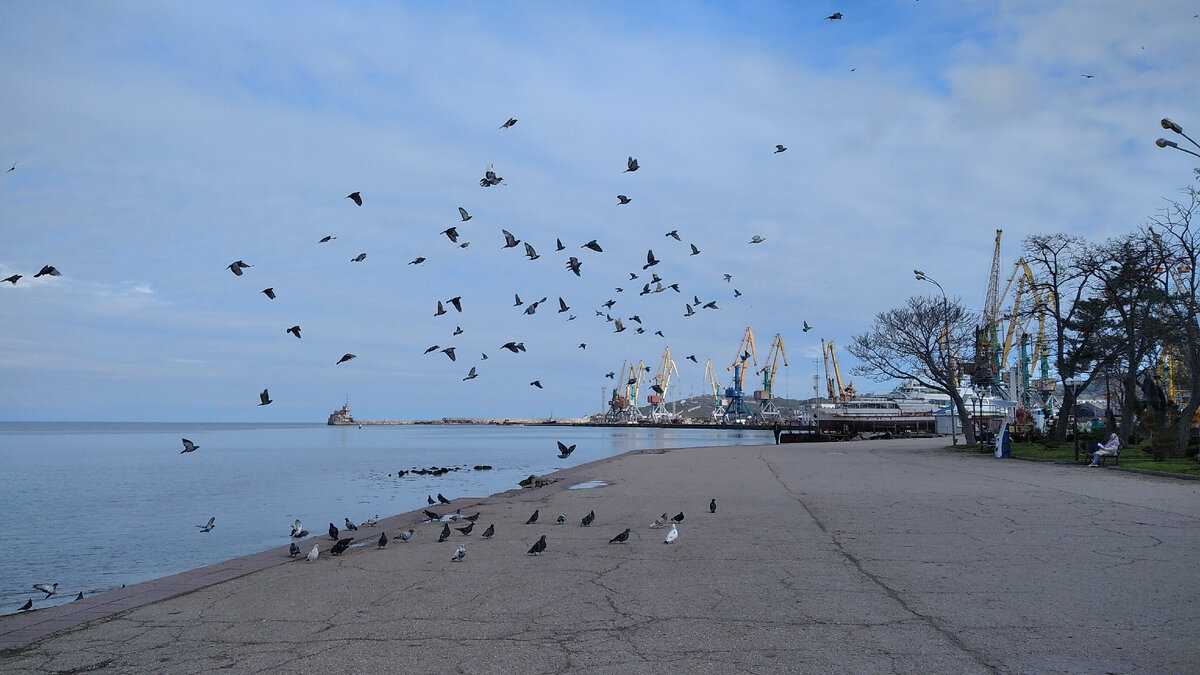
{"x": 1109, "y": 449}
{"x": 777, "y": 430}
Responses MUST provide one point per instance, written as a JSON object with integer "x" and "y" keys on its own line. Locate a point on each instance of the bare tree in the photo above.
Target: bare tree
{"x": 919, "y": 342}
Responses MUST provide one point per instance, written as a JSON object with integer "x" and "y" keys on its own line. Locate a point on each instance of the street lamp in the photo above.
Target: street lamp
{"x": 1073, "y": 384}
{"x": 921, "y": 276}
{"x": 1164, "y": 143}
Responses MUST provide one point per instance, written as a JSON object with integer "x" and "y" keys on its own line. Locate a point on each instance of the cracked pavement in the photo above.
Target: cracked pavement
{"x": 880, "y": 556}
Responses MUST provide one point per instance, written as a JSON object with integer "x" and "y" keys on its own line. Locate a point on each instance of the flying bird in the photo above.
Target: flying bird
{"x": 236, "y": 267}
{"x": 10, "y": 170}
{"x": 490, "y": 178}
{"x": 264, "y": 397}
{"x": 509, "y": 240}
{"x": 620, "y": 326}
{"x": 463, "y": 214}
{"x": 622, "y": 199}
{"x": 711, "y": 305}
{"x": 728, "y": 277}
{"x": 564, "y": 451}
{"x": 712, "y": 506}
{"x": 207, "y": 527}
{"x": 13, "y": 279}
{"x": 333, "y": 532}
{"x": 471, "y": 375}
{"x": 1088, "y": 76}
{"x": 636, "y": 318}
{"x": 451, "y": 233}
{"x": 346, "y": 357}
{"x": 431, "y": 349}
{"x": 756, "y": 239}
{"x": 562, "y": 306}
{"x": 532, "y": 254}
{"x": 533, "y": 518}
{"x": 449, "y": 351}
{"x": 610, "y": 303}
{"x": 558, "y": 245}
{"x": 690, "y": 311}
{"x": 610, "y": 375}
{"x": 650, "y": 260}
{"x": 631, "y": 164}
{"x": 511, "y": 121}
{"x": 355, "y": 197}
{"x": 836, "y": 16}
{"x": 350, "y": 525}
{"x": 457, "y": 302}
{"x": 737, "y": 293}
{"x": 536, "y": 383}
{"x": 359, "y": 258}
{"x": 674, "y": 234}
{"x": 440, "y": 310}
{"x": 188, "y": 446}
{"x": 806, "y": 327}
{"x": 487, "y": 534}
{"x": 620, "y": 538}
{"x": 457, "y": 330}
{"x": 695, "y": 251}
{"x": 293, "y": 550}
{"x": 672, "y": 535}
{"x": 574, "y": 265}
{"x": 514, "y": 347}
{"x": 779, "y": 149}
{"x": 445, "y": 533}
{"x": 48, "y": 589}
{"x": 269, "y": 292}
{"x": 459, "y": 553}
{"x": 538, "y": 546}
{"x": 326, "y": 239}
{"x": 417, "y": 260}
{"x": 517, "y": 299}
{"x": 312, "y": 554}
{"x": 594, "y": 246}
{"x": 583, "y": 345}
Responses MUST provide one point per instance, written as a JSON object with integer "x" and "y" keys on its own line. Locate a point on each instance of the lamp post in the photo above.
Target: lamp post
{"x": 921, "y": 276}
{"x": 1073, "y": 384}
{"x": 1164, "y": 143}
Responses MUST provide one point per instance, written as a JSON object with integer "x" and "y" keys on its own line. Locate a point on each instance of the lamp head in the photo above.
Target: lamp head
{"x": 1168, "y": 124}
{"x": 1163, "y": 143}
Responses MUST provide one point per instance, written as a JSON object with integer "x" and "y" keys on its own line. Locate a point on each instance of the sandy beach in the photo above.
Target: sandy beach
{"x": 881, "y": 556}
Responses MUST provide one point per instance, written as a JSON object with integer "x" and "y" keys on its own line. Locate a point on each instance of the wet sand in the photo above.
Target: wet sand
{"x": 880, "y": 556}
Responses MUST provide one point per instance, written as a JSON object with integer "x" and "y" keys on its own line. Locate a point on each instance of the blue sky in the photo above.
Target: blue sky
{"x": 156, "y": 143}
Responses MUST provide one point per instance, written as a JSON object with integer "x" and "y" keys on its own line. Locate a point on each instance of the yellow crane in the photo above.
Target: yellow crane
{"x": 633, "y": 385}
{"x": 660, "y": 384}
{"x": 711, "y": 377}
{"x": 839, "y": 393}
{"x": 736, "y": 407}
{"x": 619, "y": 403}
{"x": 770, "y": 365}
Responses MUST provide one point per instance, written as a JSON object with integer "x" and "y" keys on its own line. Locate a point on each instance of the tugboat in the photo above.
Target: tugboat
{"x": 341, "y": 417}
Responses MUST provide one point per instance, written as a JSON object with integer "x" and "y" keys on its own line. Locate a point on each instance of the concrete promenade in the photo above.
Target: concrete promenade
{"x": 864, "y": 557}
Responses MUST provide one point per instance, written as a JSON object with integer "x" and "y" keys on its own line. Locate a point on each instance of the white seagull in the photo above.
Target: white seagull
{"x": 312, "y": 555}
{"x": 297, "y": 528}
{"x": 672, "y": 535}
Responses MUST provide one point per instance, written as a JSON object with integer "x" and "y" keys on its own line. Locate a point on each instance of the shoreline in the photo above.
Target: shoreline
{"x": 874, "y": 556}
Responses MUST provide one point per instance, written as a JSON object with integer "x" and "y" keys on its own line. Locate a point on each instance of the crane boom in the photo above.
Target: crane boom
{"x": 770, "y": 365}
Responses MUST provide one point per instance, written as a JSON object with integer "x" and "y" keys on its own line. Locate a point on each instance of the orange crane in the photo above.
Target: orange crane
{"x": 770, "y": 364}
{"x": 839, "y": 393}
{"x": 710, "y": 376}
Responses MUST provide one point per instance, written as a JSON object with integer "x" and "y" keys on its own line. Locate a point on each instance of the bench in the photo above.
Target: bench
{"x": 1102, "y": 459}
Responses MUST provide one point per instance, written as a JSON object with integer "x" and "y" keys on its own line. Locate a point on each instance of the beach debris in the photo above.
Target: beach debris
{"x": 188, "y": 446}
{"x": 445, "y": 533}
{"x": 293, "y": 550}
{"x": 712, "y": 506}
{"x": 207, "y": 527}
{"x": 672, "y": 535}
{"x": 487, "y": 534}
{"x": 533, "y": 518}
{"x": 333, "y": 532}
{"x": 48, "y": 589}
{"x": 405, "y": 535}
{"x": 538, "y": 546}
{"x": 313, "y": 553}
{"x": 459, "y": 553}
{"x": 564, "y": 451}
{"x": 620, "y": 538}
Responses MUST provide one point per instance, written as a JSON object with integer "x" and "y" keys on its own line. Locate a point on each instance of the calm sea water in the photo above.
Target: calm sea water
{"x": 93, "y": 506}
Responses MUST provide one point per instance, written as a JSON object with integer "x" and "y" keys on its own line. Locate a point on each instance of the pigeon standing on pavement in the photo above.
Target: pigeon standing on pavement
{"x": 620, "y": 538}
{"x": 383, "y": 540}
{"x": 487, "y": 534}
{"x": 445, "y": 533}
{"x": 293, "y": 550}
{"x": 333, "y": 532}
{"x": 406, "y": 534}
{"x": 712, "y": 506}
{"x": 533, "y": 518}
{"x": 459, "y": 553}
{"x": 538, "y": 546}
{"x": 672, "y": 535}
{"x": 312, "y": 554}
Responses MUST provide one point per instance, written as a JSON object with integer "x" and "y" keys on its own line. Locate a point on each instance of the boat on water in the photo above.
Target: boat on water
{"x": 342, "y": 416}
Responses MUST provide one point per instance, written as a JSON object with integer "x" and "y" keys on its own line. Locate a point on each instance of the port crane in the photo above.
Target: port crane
{"x": 838, "y": 393}
{"x": 770, "y": 364}
{"x": 711, "y": 377}
{"x": 736, "y": 409}
{"x": 659, "y": 384}
{"x": 622, "y": 407}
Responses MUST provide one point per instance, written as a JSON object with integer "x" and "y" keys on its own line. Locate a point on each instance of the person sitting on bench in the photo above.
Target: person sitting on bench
{"x": 1109, "y": 449}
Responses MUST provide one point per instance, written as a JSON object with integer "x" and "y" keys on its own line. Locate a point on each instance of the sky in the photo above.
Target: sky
{"x": 156, "y": 143}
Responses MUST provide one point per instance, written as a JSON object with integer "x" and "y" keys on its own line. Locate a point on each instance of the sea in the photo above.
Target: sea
{"x": 94, "y": 506}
